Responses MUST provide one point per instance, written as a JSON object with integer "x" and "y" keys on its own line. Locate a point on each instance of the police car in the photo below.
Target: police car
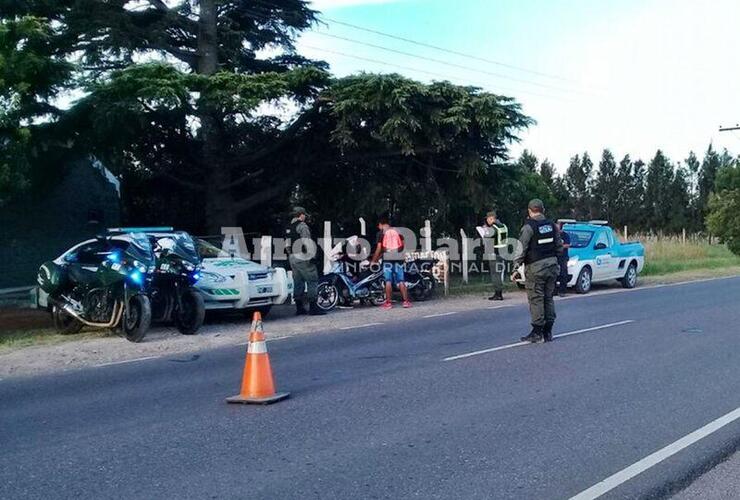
{"x": 596, "y": 255}
{"x": 231, "y": 282}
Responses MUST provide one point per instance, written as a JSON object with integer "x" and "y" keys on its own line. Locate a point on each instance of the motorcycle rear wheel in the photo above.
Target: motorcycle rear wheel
{"x": 64, "y": 323}
{"x": 189, "y": 318}
{"x": 137, "y": 318}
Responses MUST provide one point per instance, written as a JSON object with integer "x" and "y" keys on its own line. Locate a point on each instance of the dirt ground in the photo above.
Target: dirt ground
{"x": 95, "y": 348}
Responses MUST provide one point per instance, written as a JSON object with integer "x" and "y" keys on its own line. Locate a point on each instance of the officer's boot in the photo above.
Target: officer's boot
{"x": 315, "y": 310}
{"x": 499, "y": 295}
{"x": 547, "y": 331}
{"x": 535, "y": 336}
{"x": 300, "y": 308}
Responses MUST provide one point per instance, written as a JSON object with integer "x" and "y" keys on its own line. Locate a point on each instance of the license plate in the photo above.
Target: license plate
{"x": 264, "y": 289}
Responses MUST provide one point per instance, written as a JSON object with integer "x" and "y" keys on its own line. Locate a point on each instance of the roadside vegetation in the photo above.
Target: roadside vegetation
{"x": 672, "y": 255}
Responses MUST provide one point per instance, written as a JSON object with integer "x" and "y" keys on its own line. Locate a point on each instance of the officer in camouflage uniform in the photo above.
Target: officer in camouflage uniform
{"x": 540, "y": 247}
{"x": 305, "y": 274}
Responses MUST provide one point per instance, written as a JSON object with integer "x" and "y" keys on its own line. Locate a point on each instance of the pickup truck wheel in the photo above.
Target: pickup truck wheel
{"x": 630, "y": 277}
{"x": 583, "y": 283}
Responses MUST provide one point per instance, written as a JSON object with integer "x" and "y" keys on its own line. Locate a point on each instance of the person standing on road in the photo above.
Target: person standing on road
{"x": 539, "y": 250}
{"x": 563, "y": 261}
{"x": 305, "y": 274}
{"x": 389, "y": 246}
{"x": 493, "y": 230}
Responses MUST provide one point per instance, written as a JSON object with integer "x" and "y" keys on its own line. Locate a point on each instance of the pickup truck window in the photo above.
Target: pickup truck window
{"x": 603, "y": 237}
{"x": 580, "y": 239}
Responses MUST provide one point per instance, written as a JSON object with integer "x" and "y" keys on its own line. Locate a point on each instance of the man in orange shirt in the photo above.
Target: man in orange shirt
{"x": 389, "y": 246}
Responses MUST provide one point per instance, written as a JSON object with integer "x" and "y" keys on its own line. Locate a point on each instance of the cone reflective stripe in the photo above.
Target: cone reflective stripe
{"x": 258, "y": 386}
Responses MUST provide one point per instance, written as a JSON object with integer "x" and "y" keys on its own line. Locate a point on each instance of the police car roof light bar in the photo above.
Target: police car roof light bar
{"x": 162, "y": 229}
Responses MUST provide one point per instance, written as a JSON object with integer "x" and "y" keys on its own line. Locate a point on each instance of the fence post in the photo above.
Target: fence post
{"x": 328, "y": 247}
{"x": 626, "y": 238}
{"x": 266, "y": 251}
{"x": 464, "y": 248}
{"x": 683, "y": 236}
{"x": 427, "y": 236}
{"x": 363, "y": 227}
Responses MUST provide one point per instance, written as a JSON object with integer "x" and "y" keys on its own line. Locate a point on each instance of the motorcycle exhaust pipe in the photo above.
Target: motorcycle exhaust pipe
{"x": 115, "y": 316}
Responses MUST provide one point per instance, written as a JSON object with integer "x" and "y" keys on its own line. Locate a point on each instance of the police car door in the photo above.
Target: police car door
{"x": 603, "y": 259}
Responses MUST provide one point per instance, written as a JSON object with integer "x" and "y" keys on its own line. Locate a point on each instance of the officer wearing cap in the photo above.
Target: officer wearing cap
{"x": 305, "y": 274}
{"x": 494, "y": 233}
{"x": 539, "y": 250}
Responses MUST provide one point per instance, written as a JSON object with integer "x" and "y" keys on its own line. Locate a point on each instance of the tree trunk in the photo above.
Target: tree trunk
{"x": 219, "y": 203}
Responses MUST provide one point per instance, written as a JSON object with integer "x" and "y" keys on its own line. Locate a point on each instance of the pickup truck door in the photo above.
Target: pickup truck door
{"x": 604, "y": 262}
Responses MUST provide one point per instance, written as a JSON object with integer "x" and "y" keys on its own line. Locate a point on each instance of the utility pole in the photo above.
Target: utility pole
{"x": 729, "y": 129}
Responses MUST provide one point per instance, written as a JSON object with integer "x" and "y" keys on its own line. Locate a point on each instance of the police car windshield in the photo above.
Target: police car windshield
{"x": 580, "y": 239}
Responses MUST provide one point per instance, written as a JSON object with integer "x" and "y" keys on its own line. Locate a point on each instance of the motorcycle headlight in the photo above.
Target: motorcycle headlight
{"x": 188, "y": 266}
{"x": 136, "y": 276}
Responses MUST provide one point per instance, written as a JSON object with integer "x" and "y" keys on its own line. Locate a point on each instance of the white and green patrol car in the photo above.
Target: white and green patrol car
{"x": 231, "y": 282}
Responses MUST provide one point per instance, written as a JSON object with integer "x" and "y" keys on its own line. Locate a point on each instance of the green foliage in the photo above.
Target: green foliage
{"x": 724, "y": 207}
{"x": 31, "y": 76}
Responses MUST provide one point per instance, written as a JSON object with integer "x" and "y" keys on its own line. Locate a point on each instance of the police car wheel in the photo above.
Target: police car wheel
{"x": 583, "y": 284}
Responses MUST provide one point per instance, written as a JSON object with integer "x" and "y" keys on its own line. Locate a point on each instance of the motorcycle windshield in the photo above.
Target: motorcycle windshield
{"x": 140, "y": 249}
{"x": 184, "y": 247}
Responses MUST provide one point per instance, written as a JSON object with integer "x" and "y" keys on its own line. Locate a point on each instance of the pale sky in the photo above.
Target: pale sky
{"x": 632, "y": 75}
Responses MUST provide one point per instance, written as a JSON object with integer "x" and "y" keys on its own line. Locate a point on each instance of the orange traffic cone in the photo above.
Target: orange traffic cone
{"x": 257, "y": 384}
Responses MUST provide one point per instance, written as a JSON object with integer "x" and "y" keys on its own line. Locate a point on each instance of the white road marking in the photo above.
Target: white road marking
{"x": 450, "y": 313}
{"x": 366, "y": 325}
{"x": 126, "y": 361}
{"x": 593, "y": 328}
{"x": 633, "y": 470}
{"x": 519, "y": 344}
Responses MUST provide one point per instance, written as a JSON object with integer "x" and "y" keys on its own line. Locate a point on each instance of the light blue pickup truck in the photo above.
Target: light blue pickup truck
{"x": 596, "y": 255}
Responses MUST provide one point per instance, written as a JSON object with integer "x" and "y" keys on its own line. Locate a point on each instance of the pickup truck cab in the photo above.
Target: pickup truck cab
{"x": 597, "y": 255}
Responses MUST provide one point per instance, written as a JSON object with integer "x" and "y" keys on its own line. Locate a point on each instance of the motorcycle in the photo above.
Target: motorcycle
{"x": 172, "y": 292}
{"x": 344, "y": 286}
{"x": 420, "y": 279}
{"x": 101, "y": 283}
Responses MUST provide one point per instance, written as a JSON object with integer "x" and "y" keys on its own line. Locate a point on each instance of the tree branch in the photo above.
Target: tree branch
{"x": 265, "y": 195}
{"x": 287, "y": 135}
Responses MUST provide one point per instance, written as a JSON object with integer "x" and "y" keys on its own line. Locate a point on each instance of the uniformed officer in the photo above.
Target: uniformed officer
{"x": 305, "y": 274}
{"x": 540, "y": 247}
{"x": 496, "y": 231}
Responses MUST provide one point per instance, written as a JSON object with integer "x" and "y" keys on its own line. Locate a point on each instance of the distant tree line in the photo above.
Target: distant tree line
{"x": 661, "y": 196}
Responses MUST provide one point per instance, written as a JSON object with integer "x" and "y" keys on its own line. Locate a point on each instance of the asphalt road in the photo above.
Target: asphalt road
{"x": 377, "y": 412}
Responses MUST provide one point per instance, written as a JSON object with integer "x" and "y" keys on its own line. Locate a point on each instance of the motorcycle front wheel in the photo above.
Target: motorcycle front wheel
{"x": 136, "y": 318}
{"x": 189, "y": 318}
{"x": 64, "y": 323}
{"x": 327, "y": 296}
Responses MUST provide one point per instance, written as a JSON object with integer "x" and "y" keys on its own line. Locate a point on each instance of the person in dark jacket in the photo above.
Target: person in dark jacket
{"x": 563, "y": 261}
{"x": 539, "y": 250}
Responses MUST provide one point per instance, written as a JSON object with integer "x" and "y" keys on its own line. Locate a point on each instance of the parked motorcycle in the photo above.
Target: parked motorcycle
{"x": 420, "y": 279}
{"x": 101, "y": 283}
{"x": 174, "y": 298}
{"x": 347, "y": 283}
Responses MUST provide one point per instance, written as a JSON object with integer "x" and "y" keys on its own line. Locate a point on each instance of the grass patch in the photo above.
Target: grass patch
{"x": 17, "y": 339}
{"x": 671, "y": 256}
